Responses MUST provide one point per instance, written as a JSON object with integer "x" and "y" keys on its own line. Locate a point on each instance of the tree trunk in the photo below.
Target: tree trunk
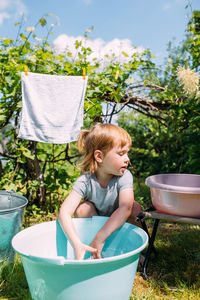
{"x": 35, "y": 173}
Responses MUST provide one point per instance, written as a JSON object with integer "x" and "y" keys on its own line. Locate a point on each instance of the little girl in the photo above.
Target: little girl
{"x": 105, "y": 185}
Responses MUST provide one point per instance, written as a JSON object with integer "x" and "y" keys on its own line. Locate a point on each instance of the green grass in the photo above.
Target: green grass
{"x": 174, "y": 273}
{"x": 13, "y": 284}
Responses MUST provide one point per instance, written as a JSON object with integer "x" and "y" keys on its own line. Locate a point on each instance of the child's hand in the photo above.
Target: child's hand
{"x": 82, "y": 249}
{"x": 97, "y": 244}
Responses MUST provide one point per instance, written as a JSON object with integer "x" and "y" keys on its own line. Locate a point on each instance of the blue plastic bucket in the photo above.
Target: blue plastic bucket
{"x": 12, "y": 208}
{"x": 53, "y": 273}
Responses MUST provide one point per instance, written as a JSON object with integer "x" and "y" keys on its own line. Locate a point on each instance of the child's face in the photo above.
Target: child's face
{"x": 115, "y": 161}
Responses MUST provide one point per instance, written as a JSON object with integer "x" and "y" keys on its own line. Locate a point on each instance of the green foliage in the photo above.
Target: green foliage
{"x": 44, "y": 173}
{"x": 193, "y": 41}
{"x": 167, "y": 139}
{"x": 163, "y": 123}
{"x": 13, "y": 284}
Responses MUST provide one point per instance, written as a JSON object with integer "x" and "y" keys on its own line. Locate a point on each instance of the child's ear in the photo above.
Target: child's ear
{"x": 98, "y": 155}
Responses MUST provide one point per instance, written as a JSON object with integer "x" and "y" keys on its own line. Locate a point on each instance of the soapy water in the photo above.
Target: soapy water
{"x": 110, "y": 252}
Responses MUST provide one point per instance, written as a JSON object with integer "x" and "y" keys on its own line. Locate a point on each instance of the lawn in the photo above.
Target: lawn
{"x": 174, "y": 273}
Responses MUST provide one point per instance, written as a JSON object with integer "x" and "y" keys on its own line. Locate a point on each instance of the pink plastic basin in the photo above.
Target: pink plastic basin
{"x": 176, "y": 194}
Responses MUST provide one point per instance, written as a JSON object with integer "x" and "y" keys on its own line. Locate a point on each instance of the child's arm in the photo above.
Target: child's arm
{"x": 65, "y": 218}
{"x": 117, "y": 219}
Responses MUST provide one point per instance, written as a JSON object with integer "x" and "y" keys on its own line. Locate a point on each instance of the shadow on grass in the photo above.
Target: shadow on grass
{"x": 13, "y": 284}
{"x": 177, "y": 263}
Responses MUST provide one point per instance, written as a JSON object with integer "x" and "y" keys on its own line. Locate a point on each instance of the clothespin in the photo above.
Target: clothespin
{"x": 116, "y": 75}
{"x": 84, "y": 73}
{"x": 26, "y": 70}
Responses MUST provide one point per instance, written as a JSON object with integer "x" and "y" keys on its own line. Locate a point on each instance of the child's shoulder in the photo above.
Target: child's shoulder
{"x": 127, "y": 174}
{"x": 126, "y": 180}
{"x": 82, "y": 183}
{"x": 84, "y": 177}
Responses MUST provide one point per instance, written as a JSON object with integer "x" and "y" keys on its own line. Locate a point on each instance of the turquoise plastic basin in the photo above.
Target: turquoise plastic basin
{"x": 53, "y": 273}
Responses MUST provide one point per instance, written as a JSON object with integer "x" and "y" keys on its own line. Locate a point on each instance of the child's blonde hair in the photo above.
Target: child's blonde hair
{"x": 101, "y": 137}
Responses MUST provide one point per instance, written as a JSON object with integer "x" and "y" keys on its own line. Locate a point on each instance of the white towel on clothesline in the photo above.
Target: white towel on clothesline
{"x": 52, "y": 107}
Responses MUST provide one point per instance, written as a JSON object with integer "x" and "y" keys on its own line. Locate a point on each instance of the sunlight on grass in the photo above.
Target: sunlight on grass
{"x": 175, "y": 272}
{"x": 13, "y": 284}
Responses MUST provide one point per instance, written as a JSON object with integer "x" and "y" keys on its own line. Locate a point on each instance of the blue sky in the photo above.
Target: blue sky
{"x": 142, "y": 23}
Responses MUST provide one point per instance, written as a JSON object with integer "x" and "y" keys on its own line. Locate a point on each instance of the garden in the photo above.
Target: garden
{"x": 157, "y": 105}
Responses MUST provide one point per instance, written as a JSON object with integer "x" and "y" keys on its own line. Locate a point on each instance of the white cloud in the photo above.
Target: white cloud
{"x": 19, "y": 6}
{"x": 3, "y": 16}
{"x": 11, "y": 8}
{"x": 87, "y": 2}
{"x": 166, "y": 6}
{"x": 181, "y": 1}
{"x": 170, "y": 4}
{"x": 99, "y": 47}
{"x": 4, "y": 4}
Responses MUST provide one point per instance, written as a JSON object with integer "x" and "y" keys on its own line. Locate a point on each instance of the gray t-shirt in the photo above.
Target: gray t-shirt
{"x": 106, "y": 200}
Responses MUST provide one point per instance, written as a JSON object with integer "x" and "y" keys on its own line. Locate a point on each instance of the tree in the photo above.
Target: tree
{"x": 44, "y": 172}
{"x": 163, "y": 119}
{"x": 168, "y": 142}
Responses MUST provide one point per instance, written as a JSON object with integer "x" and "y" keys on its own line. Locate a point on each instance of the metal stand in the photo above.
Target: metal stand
{"x": 151, "y": 213}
